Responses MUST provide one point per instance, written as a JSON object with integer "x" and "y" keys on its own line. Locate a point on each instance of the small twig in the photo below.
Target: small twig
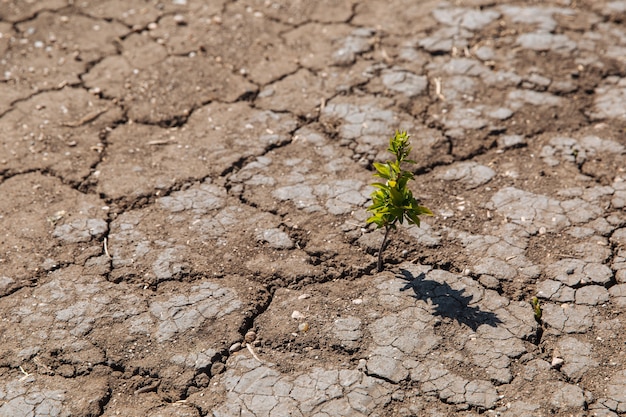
{"x": 252, "y": 352}
{"x": 46, "y": 368}
{"x": 148, "y": 388}
{"x": 86, "y": 119}
{"x": 386, "y": 56}
{"x": 159, "y": 142}
{"x": 438, "y": 89}
{"x": 26, "y": 374}
{"x": 106, "y": 248}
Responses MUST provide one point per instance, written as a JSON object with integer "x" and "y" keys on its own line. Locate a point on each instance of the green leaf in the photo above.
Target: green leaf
{"x": 395, "y": 168}
{"x": 396, "y": 213}
{"x": 412, "y": 218}
{"x": 403, "y": 180}
{"x": 384, "y": 171}
{"x": 380, "y": 185}
{"x": 422, "y": 210}
{"x": 377, "y": 218}
{"x": 397, "y": 199}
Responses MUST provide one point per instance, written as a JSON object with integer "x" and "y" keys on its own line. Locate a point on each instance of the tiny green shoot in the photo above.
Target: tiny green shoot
{"x": 392, "y": 201}
{"x": 537, "y": 308}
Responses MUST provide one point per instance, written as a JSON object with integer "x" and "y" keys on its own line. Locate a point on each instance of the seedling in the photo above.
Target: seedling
{"x": 392, "y": 201}
{"x": 537, "y": 309}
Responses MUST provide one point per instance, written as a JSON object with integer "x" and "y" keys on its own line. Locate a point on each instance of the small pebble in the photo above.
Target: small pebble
{"x": 250, "y": 336}
{"x": 357, "y": 301}
{"x": 556, "y": 362}
{"x": 235, "y": 347}
{"x": 297, "y": 315}
{"x": 217, "y": 368}
{"x": 304, "y": 296}
{"x": 303, "y": 327}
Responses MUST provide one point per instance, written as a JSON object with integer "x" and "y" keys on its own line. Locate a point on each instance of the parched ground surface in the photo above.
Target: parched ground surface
{"x": 183, "y": 188}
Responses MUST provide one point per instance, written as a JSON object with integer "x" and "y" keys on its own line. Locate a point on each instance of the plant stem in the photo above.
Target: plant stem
{"x": 382, "y": 248}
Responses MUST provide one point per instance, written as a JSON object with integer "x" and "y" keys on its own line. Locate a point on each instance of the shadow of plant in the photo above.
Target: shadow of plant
{"x": 448, "y": 302}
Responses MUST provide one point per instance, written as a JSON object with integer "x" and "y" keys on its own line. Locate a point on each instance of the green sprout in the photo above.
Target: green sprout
{"x": 537, "y": 308}
{"x": 393, "y": 202}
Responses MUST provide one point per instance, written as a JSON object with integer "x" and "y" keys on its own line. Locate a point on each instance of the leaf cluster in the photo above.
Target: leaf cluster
{"x": 392, "y": 201}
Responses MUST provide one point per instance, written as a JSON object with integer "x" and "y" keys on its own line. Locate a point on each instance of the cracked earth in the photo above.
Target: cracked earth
{"x": 183, "y": 187}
